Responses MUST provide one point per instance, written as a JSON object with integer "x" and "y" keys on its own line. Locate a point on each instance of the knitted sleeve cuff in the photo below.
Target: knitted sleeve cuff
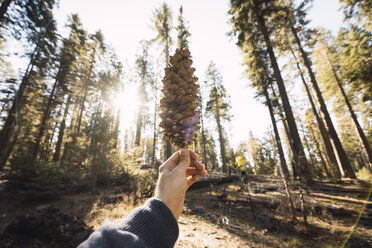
{"x": 153, "y": 223}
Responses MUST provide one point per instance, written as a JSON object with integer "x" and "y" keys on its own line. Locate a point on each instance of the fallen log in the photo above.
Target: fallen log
{"x": 329, "y": 188}
{"x": 206, "y": 182}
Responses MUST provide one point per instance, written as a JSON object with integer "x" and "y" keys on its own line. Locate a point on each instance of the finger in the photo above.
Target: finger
{"x": 198, "y": 165}
{"x": 184, "y": 161}
{"x": 171, "y": 162}
{"x": 194, "y": 171}
{"x": 192, "y": 179}
{"x": 193, "y": 155}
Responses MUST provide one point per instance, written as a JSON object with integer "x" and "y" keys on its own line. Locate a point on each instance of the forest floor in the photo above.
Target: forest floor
{"x": 224, "y": 215}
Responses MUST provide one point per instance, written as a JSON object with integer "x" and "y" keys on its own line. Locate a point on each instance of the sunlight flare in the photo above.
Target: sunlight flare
{"x": 128, "y": 101}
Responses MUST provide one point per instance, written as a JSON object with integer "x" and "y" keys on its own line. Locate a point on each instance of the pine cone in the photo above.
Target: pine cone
{"x": 179, "y": 105}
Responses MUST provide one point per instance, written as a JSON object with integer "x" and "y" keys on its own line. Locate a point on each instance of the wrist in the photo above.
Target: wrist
{"x": 171, "y": 204}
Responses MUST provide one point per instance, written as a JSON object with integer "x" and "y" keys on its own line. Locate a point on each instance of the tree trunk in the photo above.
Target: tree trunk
{"x": 307, "y": 146}
{"x": 116, "y": 132}
{"x": 286, "y": 129}
{"x": 233, "y": 161}
{"x": 46, "y": 116}
{"x": 61, "y": 131}
{"x": 155, "y": 132}
{"x": 317, "y": 146}
{"x": 141, "y": 93}
{"x": 66, "y": 155}
{"x": 82, "y": 107}
{"x": 322, "y": 128}
{"x": 341, "y": 156}
{"x": 3, "y": 8}
{"x": 205, "y": 159}
{"x": 139, "y": 126}
{"x": 95, "y": 166}
{"x": 168, "y": 145}
{"x": 221, "y": 139}
{"x": 283, "y": 163}
{"x": 362, "y": 137}
{"x": 204, "y": 140}
{"x": 44, "y": 152}
{"x": 86, "y": 86}
{"x": 298, "y": 155}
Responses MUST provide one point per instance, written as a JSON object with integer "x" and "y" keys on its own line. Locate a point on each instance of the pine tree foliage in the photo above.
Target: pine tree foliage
{"x": 361, "y": 10}
{"x": 163, "y": 25}
{"x": 355, "y": 50}
{"x": 183, "y": 33}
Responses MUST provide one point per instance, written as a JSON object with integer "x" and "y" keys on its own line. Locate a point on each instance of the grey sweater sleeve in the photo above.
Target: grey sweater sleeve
{"x": 151, "y": 225}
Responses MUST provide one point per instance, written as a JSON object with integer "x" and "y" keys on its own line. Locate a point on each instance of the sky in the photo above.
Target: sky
{"x": 125, "y": 23}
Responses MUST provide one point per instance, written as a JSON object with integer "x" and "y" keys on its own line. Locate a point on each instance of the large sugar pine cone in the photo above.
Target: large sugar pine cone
{"x": 179, "y": 105}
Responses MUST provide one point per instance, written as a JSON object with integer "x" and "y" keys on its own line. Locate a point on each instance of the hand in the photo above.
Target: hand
{"x": 176, "y": 175}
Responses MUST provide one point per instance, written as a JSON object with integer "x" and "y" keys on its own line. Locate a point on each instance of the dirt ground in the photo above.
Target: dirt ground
{"x": 237, "y": 214}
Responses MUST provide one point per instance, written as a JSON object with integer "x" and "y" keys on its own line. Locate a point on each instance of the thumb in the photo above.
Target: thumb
{"x": 184, "y": 158}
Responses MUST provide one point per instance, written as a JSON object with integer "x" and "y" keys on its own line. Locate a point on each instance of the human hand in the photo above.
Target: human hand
{"x": 176, "y": 175}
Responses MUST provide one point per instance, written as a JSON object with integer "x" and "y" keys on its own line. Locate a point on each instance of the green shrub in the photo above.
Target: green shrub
{"x": 35, "y": 182}
{"x": 364, "y": 175}
{"x": 43, "y": 182}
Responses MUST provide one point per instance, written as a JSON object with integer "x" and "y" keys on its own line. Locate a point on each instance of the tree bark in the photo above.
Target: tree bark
{"x": 96, "y": 164}
{"x": 204, "y": 140}
{"x": 44, "y": 152}
{"x": 288, "y": 135}
{"x": 155, "y": 132}
{"x": 61, "y": 131}
{"x": 86, "y": 86}
{"x": 46, "y": 116}
{"x": 139, "y": 126}
{"x": 317, "y": 146}
{"x": 283, "y": 164}
{"x": 116, "y": 132}
{"x": 299, "y": 154}
{"x": 307, "y": 146}
{"x": 142, "y": 94}
{"x": 233, "y": 160}
{"x": 220, "y": 135}
{"x": 341, "y": 156}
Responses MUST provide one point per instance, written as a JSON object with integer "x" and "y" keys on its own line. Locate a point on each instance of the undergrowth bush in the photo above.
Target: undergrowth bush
{"x": 364, "y": 175}
{"x": 43, "y": 182}
{"x": 35, "y": 182}
{"x": 143, "y": 182}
